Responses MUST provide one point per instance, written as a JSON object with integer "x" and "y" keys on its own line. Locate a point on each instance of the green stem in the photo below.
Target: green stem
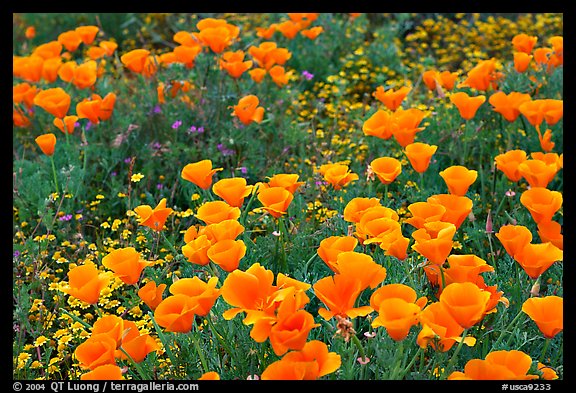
{"x": 283, "y": 236}
{"x": 409, "y": 366}
{"x": 54, "y": 173}
{"x": 74, "y": 317}
{"x": 199, "y": 351}
{"x": 244, "y": 215}
{"x": 408, "y": 273}
{"x": 546, "y": 344}
{"x": 455, "y": 355}
{"x": 397, "y": 360}
{"x": 510, "y": 325}
{"x": 358, "y": 344}
{"x": 162, "y": 339}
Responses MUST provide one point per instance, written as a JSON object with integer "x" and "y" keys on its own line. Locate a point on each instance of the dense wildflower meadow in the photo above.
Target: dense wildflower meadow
{"x": 333, "y": 196}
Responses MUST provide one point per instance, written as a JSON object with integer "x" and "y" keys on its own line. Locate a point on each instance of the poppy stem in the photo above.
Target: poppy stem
{"x": 247, "y": 208}
{"x": 397, "y": 360}
{"x": 54, "y": 173}
{"x": 456, "y": 352}
{"x": 282, "y": 237}
{"x": 358, "y": 344}
{"x": 199, "y": 351}
{"x": 74, "y": 317}
{"x": 409, "y": 366}
{"x": 140, "y": 370}
{"x": 163, "y": 339}
{"x": 512, "y": 323}
{"x": 546, "y": 344}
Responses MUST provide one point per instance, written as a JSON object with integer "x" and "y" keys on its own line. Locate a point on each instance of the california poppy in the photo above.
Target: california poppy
{"x": 266, "y": 32}
{"x": 331, "y": 246}
{"x": 396, "y": 290}
{"x": 108, "y": 46}
{"x": 313, "y": 32}
{"x": 339, "y": 294}
{"x": 521, "y": 61}
{"x": 227, "y": 253}
{"x": 289, "y": 28}
{"x": 112, "y": 325}
{"x": 378, "y": 125}
{"x": 508, "y": 163}
{"x": 397, "y": 316}
{"x": 216, "y": 33}
{"x": 223, "y": 230}
{"x": 362, "y": 267}
{"x": 97, "y": 350}
{"x": 391, "y": 98}
{"x": 547, "y": 312}
{"x": 66, "y": 71}
{"x": 176, "y": 313}
{"x": 196, "y": 250}
{"x": 209, "y": 376}
{"x": 232, "y": 190}
{"x": 434, "y": 241}
{"x": 151, "y": 294}
{"x": 154, "y": 218}
{"x": 447, "y": 79}
{"x": 467, "y": 105}
{"x": 551, "y": 231}
{"x": 186, "y": 54}
{"x": 289, "y": 181}
{"x": 202, "y": 294}
{"x": 507, "y": 104}
{"x": 275, "y": 200}
{"x": 458, "y": 178}
{"x": 465, "y": 268}
{"x": 465, "y": 302}
{"x": 523, "y": 42}
{"x": 439, "y": 329}
{"x": 268, "y": 54}
{"x": 234, "y": 64}
{"x": 28, "y": 68}
{"x": 135, "y": 344}
{"x": 279, "y": 75}
{"x": 387, "y": 169}
{"x": 48, "y": 50}
{"x": 257, "y": 74}
{"x": 514, "y": 238}
{"x": 70, "y": 39}
{"x": 199, "y": 173}
{"x": 87, "y": 33}
{"x": 46, "y": 143}
{"x": 363, "y": 226}
{"x": 482, "y": 77}
{"x": 498, "y": 365}
{"x": 30, "y": 32}
{"x": 67, "y": 124}
{"x": 357, "y": 206}
{"x": 535, "y": 259}
{"x": 406, "y": 124}
{"x": 135, "y": 60}
{"x": 430, "y": 78}
{"x": 109, "y": 372}
{"x": 216, "y": 211}
{"x": 50, "y": 69}
{"x": 419, "y": 154}
{"x": 541, "y": 202}
{"x": 107, "y": 106}
{"x": 457, "y": 207}
{"x": 85, "y": 282}
{"x": 248, "y": 111}
{"x": 423, "y": 212}
{"x": 89, "y": 108}
{"x": 126, "y": 263}
{"x": 537, "y": 173}
{"x": 338, "y": 175}
{"x": 24, "y": 93}
{"x": 54, "y": 101}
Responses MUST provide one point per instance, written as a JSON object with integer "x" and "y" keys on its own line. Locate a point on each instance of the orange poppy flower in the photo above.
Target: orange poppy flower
{"x": 362, "y": 267}
{"x": 364, "y": 228}
{"x": 154, "y": 218}
{"x": 548, "y": 373}
{"x": 257, "y": 74}
{"x": 186, "y": 54}
{"x": 110, "y": 372}
{"x": 216, "y": 211}
{"x": 203, "y": 294}
{"x": 70, "y": 39}
{"x": 234, "y": 64}
{"x": 223, "y": 230}
{"x": 210, "y": 376}
{"x": 547, "y": 312}
{"x": 405, "y": 125}
{"x": 151, "y": 294}
{"x": 338, "y": 175}
{"x": 439, "y": 329}
{"x": 498, "y": 365}
{"x": 28, "y": 68}
{"x": 537, "y": 172}
{"x": 111, "y": 325}
{"x": 66, "y": 71}
{"x": 85, "y": 282}
{"x": 196, "y": 250}
{"x": 514, "y": 238}
{"x": 356, "y": 207}
{"x": 467, "y": 105}
{"x": 482, "y": 76}
{"x": 387, "y": 169}
{"x": 87, "y": 33}
{"x": 542, "y": 56}
{"x": 391, "y": 98}
{"x": 524, "y": 43}
{"x": 275, "y": 200}
{"x": 48, "y": 50}
{"x": 248, "y": 110}
{"x": 176, "y": 313}
{"x": 24, "y": 93}
{"x": 419, "y": 154}
{"x": 95, "y": 52}
{"x": 19, "y": 119}
{"x": 423, "y": 212}
{"x": 135, "y": 60}
{"x": 508, "y": 163}
{"x": 313, "y": 32}
{"x": 429, "y": 78}
{"x": 289, "y": 181}
{"x": 289, "y": 28}
{"x": 279, "y": 75}
{"x": 396, "y": 246}
{"x": 310, "y": 363}
{"x": 47, "y": 143}
{"x": 50, "y": 69}
{"x": 267, "y": 54}
{"x": 137, "y": 345}
{"x": 546, "y": 140}
{"x": 96, "y": 351}
{"x": 67, "y": 124}
{"x": 126, "y": 263}
{"x": 30, "y": 32}
{"x": 434, "y": 241}
{"x": 331, "y": 246}
{"x": 107, "y": 106}
{"x": 465, "y": 268}
{"x": 292, "y": 327}
{"x": 541, "y": 202}
{"x": 448, "y": 79}
{"x": 521, "y": 61}
{"x": 551, "y": 231}
{"x": 458, "y": 178}
{"x": 465, "y": 302}
{"x": 89, "y": 108}
{"x": 232, "y": 190}
{"x": 399, "y": 291}
{"x": 457, "y": 207}
{"x": 553, "y": 110}
{"x": 108, "y": 46}
{"x": 266, "y": 32}
{"x": 397, "y": 316}
{"x": 216, "y": 33}
{"x": 200, "y": 173}
{"x": 227, "y": 253}
{"x": 54, "y": 101}
{"x": 507, "y": 104}
{"x": 383, "y": 231}
{"x": 339, "y": 294}
{"x": 378, "y": 125}
{"x": 535, "y": 259}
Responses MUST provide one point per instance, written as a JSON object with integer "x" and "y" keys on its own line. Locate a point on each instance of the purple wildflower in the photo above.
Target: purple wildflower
{"x": 307, "y": 75}
{"x": 66, "y": 217}
{"x": 176, "y": 124}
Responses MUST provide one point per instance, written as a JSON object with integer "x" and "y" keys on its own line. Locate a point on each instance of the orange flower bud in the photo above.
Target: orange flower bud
{"x": 47, "y": 143}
